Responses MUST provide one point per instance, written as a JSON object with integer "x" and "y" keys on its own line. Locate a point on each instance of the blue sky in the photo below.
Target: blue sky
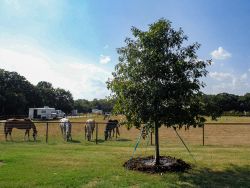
{"x": 72, "y": 44}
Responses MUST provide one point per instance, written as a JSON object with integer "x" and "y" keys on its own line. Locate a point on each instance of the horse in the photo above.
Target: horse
{"x": 65, "y": 126}
{"x": 25, "y": 124}
{"x": 89, "y": 129}
{"x": 112, "y": 125}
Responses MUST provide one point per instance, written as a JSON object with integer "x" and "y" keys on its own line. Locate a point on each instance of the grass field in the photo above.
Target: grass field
{"x": 223, "y": 162}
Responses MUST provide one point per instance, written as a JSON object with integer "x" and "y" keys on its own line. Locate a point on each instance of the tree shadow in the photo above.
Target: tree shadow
{"x": 123, "y": 140}
{"x": 23, "y": 141}
{"x": 234, "y": 176}
{"x": 74, "y": 141}
{"x": 98, "y": 141}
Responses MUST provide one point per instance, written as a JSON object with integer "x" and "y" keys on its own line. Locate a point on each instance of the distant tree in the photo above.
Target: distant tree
{"x": 46, "y": 94}
{"x": 227, "y": 102}
{"x": 244, "y": 102}
{"x": 63, "y": 100}
{"x": 85, "y": 106}
{"x": 106, "y": 105}
{"x": 95, "y": 104}
{"x": 211, "y": 107}
{"x": 156, "y": 81}
{"x": 82, "y": 105}
{"x": 16, "y": 94}
{"x": 45, "y": 85}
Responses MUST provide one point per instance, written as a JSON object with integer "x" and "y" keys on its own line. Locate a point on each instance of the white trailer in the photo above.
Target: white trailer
{"x": 41, "y": 113}
{"x": 58, "y": 114}
{"x": 97, "y": 111}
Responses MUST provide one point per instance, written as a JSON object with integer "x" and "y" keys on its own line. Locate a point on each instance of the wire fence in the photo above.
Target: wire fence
{"x": 210, "y": 134}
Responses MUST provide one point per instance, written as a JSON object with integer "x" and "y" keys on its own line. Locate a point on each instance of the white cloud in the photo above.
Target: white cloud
{"x": 104, "y": 59}
{"x": 81, "y": 77}
{"x": 220, "y": 76}
{"x": 227, "y": 82}
{"x": 243, "y": 76}
{"x": 50, "y": 10}
{"x": 220, "y": 54}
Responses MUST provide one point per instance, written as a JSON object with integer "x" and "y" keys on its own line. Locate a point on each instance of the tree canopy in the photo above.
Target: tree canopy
{"x": 156, "y": 81}
{"x": 157, "y": 78}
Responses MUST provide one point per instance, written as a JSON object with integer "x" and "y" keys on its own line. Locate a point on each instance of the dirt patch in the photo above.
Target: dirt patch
{"x": 91, "y": 184}
{"x": 147, "y": 164}
{"x": 1, "y": 162}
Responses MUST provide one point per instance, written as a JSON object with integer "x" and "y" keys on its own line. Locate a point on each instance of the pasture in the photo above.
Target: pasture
{"x": 223, "y": 161}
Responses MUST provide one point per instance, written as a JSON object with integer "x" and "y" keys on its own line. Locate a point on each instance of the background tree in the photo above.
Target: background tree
{"x": 82, "y": 106}
{"x": 211, "y": 107}
{"x": 227, "y": 102}
{"x": 157, "y": 79}
{"x": 16, "y": 94}
{"x": 47, "y": 94}
{"x": 244, "y": 102}
{"x": 63, "y": 100}
{"x": 85, "y": 106}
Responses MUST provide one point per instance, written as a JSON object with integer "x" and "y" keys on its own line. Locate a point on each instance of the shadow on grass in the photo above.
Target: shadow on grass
{"x": 98, "y": 141}
{"x": 234, "y": 176}
{"x": 74, "y": 141}
{"x": 22, "y": 141}
{"x": 123, "y": 140}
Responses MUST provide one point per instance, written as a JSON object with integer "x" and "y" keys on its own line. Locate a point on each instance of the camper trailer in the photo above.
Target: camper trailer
{"x": 41, "y": 113}
{"x": 97, "y": 111}
{"x": 57, "y": 114}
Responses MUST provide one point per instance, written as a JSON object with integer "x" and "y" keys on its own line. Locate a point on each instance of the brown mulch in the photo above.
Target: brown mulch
{"x": 167, "y": 164}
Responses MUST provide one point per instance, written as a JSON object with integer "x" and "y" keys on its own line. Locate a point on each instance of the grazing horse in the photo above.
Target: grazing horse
{"x": 112, "y": 125}
{"x": 89, "y": 129}
{"x": 65, "y": 126}
{"x": 25, "y": 124}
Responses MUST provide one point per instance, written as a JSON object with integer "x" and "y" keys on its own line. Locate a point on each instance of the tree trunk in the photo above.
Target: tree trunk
{"x": 157, "y": 151}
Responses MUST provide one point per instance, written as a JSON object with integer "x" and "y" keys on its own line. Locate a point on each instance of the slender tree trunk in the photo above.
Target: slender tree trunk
{"x": 157, "y": 151}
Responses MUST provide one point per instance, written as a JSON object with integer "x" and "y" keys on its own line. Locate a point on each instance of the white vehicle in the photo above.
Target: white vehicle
{"x": 97, "y": 111}
{"x": 60, "y": 114}
{"x": 41, "y": 113}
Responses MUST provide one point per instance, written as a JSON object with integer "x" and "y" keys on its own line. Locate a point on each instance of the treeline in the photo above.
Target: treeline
{"x": 17, "y": 95}
{"x": 227, "y": 104}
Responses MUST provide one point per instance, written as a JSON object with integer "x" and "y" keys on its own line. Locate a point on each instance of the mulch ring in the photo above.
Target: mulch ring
{"x": 147, "y": 164}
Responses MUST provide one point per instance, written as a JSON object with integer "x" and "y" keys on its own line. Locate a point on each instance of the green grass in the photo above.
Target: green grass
{"x": 223, "y": 162}
{"x": 88, "y": 165}
{"x": 230, "y": 119}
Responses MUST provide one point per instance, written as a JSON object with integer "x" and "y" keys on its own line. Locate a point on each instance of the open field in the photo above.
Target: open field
{"x": 223, "y": 162}
{"x": 220, "y": 133}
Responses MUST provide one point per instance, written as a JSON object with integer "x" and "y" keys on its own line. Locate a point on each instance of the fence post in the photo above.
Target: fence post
{"x": 85, "y": 132}
{"x": 96, "y": 136}
{"x": 203, "y": 135}
{"x": 47, "y": 131}
{"x": 116, "y": 133}
{"x": 151, "y": 137}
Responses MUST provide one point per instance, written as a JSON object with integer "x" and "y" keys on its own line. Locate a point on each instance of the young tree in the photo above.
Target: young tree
{"x": 156, "y": 81}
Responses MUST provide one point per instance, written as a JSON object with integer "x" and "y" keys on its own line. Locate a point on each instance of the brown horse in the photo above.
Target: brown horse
{"x": 25, "y": 124}
{"x": 112, "y": 125}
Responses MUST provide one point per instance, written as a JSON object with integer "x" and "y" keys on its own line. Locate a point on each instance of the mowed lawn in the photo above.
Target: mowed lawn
{"x": 223, "y": 162}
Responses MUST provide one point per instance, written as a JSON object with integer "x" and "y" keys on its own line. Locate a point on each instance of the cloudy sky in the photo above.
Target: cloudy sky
{"x": 72, "y": 44}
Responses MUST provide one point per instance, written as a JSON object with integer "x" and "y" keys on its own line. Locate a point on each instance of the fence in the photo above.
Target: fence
{"x": 50, "y": 131}
{"x": 210, "y": 134}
